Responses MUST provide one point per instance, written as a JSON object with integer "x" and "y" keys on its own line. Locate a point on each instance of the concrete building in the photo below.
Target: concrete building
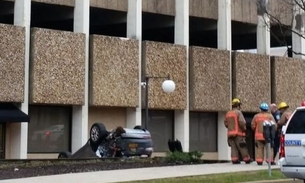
{"x": 70, "y": 63}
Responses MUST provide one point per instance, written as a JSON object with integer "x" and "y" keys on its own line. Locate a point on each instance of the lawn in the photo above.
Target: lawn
{"x": 223, "y": 178}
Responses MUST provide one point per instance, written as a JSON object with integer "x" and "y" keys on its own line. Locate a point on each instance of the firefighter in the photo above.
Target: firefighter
{"x": 236, "y": 127}
{"x": 276, "y": 115}
{"x": 257, "y": 125}
{"x": 285, "y": 114}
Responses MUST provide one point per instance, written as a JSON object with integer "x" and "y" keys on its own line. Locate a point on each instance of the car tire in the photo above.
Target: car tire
{"x": 97, "y": 133}
{"x": 64, "y": 155}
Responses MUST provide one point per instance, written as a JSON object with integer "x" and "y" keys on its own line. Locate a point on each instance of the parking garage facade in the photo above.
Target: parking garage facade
{"x": 80, "y": 62}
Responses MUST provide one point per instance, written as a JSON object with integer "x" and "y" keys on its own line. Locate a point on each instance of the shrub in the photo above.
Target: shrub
{"x": 183, "y": 157}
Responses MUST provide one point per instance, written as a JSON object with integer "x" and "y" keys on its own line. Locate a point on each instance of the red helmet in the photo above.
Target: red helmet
{"x": 303, "y": 104}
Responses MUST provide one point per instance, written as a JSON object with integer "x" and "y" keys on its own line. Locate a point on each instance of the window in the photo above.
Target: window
{"x": 161, "y": 128}
{"x": 297, "y": 123}
{"x": 203, "y": 132}
{"x": 49, "y": 129}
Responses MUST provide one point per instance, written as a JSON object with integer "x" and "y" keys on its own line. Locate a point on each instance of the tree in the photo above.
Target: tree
{"x": 287, "y": 16}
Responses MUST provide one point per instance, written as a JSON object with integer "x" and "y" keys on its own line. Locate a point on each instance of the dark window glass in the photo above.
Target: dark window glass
{"x": 161, "y": 128}
{"x": 297, "y": 123}
{"x": 203, "y": 131}
{"x": 2, "y": 141}
{"x": 49, "y": 129}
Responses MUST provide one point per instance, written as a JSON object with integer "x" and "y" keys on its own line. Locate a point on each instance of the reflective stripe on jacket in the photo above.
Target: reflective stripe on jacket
{"x": 258, "y": 125}
{"x": 232, "y": 123}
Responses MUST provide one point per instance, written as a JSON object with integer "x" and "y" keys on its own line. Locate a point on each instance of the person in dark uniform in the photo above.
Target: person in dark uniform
{"x": 276, "y": 115}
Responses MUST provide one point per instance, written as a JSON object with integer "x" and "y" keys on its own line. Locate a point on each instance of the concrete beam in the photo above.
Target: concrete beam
{"x": 263, "y": 32}
{"x": 134, "y": 31}
{"x": 298, "y": 41}
{"x": 182, "y": 37}
{"x": 80, "y": 113}
{"x": 224, "y": 42}
{"x": 19, "y": 131}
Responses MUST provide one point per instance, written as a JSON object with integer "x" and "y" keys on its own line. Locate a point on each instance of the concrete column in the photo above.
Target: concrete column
{"x": 134, "y": 31}
{"x": 298, "y": 42}
{"x": 182, "y": 37}
{"x": 263, "y": 31}
{"x": 223, "y": 42}
{"x": 80, "y": 113}
{"x": 19, "y": 133}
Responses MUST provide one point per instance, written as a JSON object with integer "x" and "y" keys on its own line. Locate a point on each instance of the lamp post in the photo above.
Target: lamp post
{"x": 168, "y": 86}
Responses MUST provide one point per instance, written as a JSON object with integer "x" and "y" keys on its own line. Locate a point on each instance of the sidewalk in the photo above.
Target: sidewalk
{"x": 141, "y": 174}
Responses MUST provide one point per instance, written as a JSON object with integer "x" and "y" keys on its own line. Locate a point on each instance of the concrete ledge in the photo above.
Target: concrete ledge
{"x": 288, "y": 82}
{"x": 114, "y": 71}
{"x": 57, "y": 2}
{"x": 57, "y": 66}
{"x": 163, "y": 60}
{"x": 251, "y": 79}
{"x": 12, "y": 62}
{"x": 120, "y": 5}
{"x": 209, "y": 79}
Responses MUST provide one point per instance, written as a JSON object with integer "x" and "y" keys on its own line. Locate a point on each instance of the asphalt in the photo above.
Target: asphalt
{"x": 141, "y": 173}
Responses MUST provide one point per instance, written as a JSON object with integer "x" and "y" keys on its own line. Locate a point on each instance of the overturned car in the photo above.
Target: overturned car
{"x": 119, "y": 142}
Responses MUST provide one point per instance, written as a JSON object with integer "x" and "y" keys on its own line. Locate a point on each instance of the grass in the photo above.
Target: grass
{"x": 223, "y": 178}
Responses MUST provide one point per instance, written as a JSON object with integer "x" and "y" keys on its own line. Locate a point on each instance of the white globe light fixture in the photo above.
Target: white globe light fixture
{"x": 168, "y": 86}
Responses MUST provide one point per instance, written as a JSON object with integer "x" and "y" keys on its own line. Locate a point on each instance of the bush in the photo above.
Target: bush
{"x": 183, "y": 157}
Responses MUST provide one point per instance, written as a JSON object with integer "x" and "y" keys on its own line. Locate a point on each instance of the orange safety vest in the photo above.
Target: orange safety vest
{"x": 259, "y": 131}
{"x": 232, "y": 124}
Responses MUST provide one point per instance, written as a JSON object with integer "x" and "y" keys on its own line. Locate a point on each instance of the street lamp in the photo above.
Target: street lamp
{"x": 168, "y": 86}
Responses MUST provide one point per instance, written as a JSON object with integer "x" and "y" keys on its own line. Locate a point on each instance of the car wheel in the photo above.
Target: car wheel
{"x": 97, "y": 133}
{"x": 64, "y": 155}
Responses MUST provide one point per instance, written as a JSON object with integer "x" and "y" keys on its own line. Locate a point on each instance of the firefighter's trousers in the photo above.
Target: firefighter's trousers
{"x": 260, "y": 150}
{"x": 238, "y": 145}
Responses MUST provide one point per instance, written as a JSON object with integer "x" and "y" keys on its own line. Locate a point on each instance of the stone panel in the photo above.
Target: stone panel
{"x": 57, "y": 2}
{"x": 204, "y": 9}
{"x": 166, "y": 7}
{"x": 57, "y": 67}
{"x": 281, "y": 11}
{"x": 244, "y": 11}
{"x": 12, "y": 62}
{"x": 251, "y": 80}
{"x": 120, "y": 5}
{"x": 209, "y": 79}
{"x": 114, "y": 71}
{"x": 288, "y": 82}
{"x": 162, "y": 60}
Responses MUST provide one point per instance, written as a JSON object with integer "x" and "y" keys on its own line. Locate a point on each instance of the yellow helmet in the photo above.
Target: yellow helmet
{"x": 282, "y": 105}
{"x": 236, "y": 101}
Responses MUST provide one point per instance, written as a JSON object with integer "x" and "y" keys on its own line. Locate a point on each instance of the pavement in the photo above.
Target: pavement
{"x": 110, "y": 176}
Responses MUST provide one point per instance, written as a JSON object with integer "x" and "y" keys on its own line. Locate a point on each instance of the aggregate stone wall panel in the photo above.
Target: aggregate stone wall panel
{"x": 119, "y": 5}
{"x": 57, "y": 2}
{"x": 162, "y": 60}
{"x": 281, "y": 11}
{"x": 57, "y": 67}
{"x": 12, "y": 62}
{"x": 244, "y": 11}
{"x": 288, "y": 81}
{"x": 166, "y": 7}
{"x": 204, "y": 9}
{"x": 251, "y": 80}
{"x": 209, "y": 79}
{"x": 114, "y": 71}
